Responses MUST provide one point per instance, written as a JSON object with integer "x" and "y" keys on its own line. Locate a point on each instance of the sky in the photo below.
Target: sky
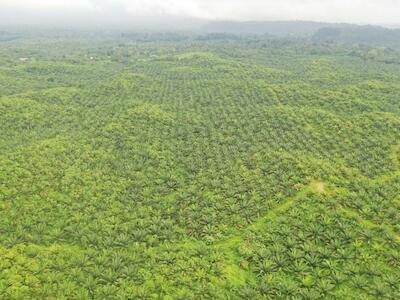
{"x": 350, "y": 11}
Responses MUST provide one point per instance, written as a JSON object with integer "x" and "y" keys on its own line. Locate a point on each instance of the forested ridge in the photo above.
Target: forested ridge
{"x": 317, "y": 31}
{"x": 209, "y": 167}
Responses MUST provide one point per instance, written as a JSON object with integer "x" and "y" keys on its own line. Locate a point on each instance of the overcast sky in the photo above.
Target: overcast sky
{"x": 352, "y": 11}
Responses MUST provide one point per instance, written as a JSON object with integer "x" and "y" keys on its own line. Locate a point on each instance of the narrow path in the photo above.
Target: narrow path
{"x": 237, "y": 275}
{"x": 232, "y": 271}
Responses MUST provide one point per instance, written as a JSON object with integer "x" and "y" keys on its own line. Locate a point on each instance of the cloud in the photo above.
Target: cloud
{"x": 358, "y": 11}
{"x": 46, "y": 5}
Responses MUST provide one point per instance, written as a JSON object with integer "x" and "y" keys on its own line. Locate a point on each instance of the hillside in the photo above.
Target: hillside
{"x": 133, "y": 167}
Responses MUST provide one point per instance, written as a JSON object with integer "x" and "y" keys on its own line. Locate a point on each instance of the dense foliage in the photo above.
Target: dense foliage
{"x": 134, "y": 167}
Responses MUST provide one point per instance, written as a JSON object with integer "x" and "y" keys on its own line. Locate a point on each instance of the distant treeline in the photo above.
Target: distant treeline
{"x": 278, "y": 29}
{"x": 359, "y": 34}
{"x": 335, "y": 32}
